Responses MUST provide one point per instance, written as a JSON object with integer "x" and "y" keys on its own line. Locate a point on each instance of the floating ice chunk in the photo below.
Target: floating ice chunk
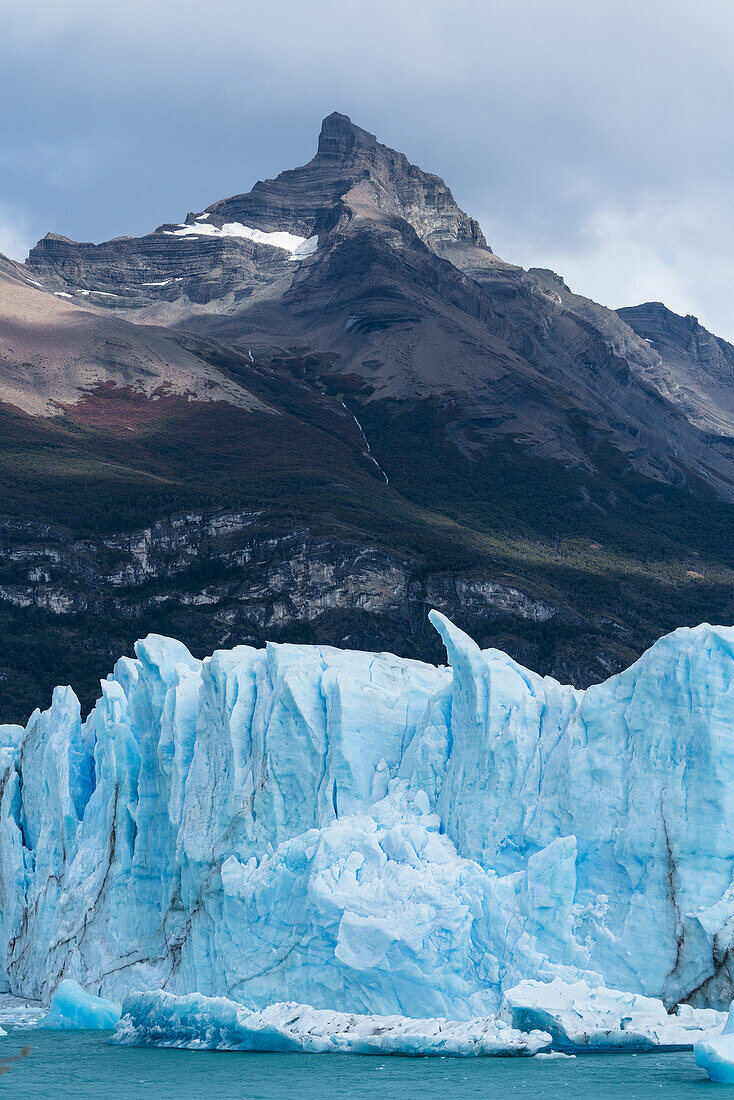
{"x": 216, "y": 1023}
{"x": 18, "y": 1012}
{"x": 72, "y": 1007}
{"x": 581, "y": 1017}
{"x": 715, "y": 1053}
{"x": 299, "y": 247}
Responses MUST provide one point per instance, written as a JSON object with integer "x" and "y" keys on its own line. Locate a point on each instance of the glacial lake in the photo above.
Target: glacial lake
{"x": 83, "y": 1066}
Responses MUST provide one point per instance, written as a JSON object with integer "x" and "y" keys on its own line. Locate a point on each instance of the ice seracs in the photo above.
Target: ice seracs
{"x": 375, "y": 836}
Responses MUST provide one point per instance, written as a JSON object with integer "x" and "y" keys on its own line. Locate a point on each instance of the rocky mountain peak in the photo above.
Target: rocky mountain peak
{"x": 383, "y": 179}
{"x": 340, "y": 137}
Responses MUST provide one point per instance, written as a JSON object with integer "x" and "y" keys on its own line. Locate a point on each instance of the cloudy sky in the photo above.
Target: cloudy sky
{"x": 589, "y": 136}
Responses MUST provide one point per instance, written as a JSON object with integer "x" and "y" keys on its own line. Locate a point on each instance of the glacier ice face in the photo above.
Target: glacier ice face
{"x": 215, "y": 1023}
{"x": 72, "y": 1008}
{"x": 373, "y": 835}
{"x": 639, "y": 770}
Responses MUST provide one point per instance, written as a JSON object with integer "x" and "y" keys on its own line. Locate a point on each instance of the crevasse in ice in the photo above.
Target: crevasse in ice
{"x": 372, "y": 835}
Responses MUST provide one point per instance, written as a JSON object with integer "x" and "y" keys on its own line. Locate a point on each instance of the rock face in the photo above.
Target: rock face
{"x": 52, "y": 353}
{"x": 362, "y": 833}
{"x": 259, "y": 582}
{"x": 406, "y": 418}
{"x": 700, "y": 366}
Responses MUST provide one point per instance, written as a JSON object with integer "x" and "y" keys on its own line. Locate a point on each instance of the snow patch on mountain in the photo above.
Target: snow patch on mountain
{"x": 299, "y": 247}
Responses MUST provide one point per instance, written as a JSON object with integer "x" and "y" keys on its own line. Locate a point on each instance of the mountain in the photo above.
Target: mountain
{"x": 701, "y": 366}
{"x": 311, "y": 410}
{"x": 364, "y": 833}
{"x": 52, "y": 353}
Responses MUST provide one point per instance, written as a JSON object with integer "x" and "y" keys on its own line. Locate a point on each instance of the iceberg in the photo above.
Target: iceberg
{"x": 216, "y": 1023}
{"x": 74, "y": 1008}
{"x": 580, "y": 1017}
{"x": 716, "y": 1053}
{"x": 376, "y": 836}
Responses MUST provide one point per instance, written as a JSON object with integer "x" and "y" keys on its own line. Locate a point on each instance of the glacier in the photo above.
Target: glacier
{"x": 363, "y": 834}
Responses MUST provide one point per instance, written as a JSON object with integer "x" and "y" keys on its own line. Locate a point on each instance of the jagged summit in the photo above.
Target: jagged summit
{"x": 353, "y": 173}
{"x": 339, "y": 137}
{"x": 397, "y": 186}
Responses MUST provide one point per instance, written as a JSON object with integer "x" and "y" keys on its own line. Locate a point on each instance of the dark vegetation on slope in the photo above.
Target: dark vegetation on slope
{"x": 571, "y": 540}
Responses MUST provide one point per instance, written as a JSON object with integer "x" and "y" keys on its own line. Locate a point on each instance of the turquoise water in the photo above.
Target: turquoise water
{"x": 81, "y": 1065}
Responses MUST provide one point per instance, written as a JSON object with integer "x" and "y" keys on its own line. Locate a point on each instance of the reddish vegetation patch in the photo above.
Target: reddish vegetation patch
{"x": 117, "y": 446}
{"x": 114, "y": 410}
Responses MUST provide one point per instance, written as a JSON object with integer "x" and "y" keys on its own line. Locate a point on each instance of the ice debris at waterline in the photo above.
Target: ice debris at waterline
{"x": 570, "y": 1016}
{"x": 373, "y": 835}
{"x": 715, "y": 1053}
{"x": 579, "y": 1017}
{"x": 73, "y": 1008}
{"x": 17, "y": 1012}
{"x": 216, "y": 1023}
